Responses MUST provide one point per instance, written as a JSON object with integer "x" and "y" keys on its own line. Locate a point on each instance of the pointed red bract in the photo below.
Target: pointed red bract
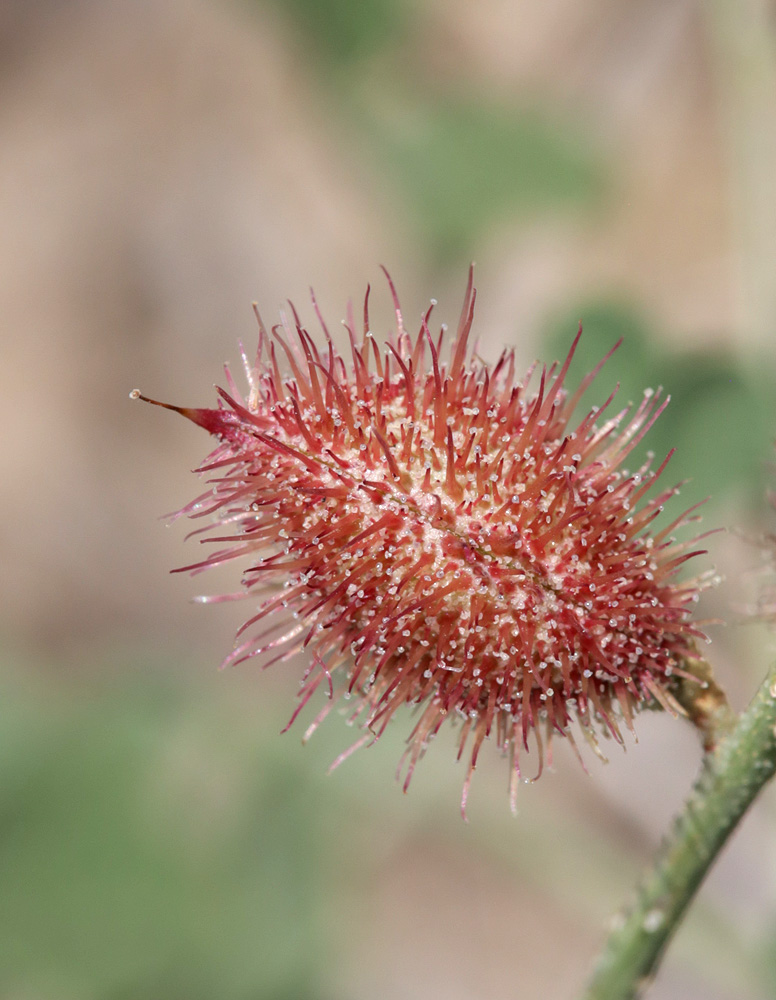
{"x": 444, "y": 537}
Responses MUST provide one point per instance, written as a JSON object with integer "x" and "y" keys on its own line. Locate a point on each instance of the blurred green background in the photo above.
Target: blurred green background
{"x": 163, "y": 166}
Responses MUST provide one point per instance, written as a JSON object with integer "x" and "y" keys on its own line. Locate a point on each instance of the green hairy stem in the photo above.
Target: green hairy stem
{"x": 741, "y": 763}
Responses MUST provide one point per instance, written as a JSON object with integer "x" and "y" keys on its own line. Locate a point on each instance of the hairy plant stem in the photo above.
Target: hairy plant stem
{"x": 732, "y": 774}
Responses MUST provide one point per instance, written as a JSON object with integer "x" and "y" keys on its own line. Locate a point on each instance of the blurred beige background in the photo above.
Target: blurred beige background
{"x": 161, "y": 167}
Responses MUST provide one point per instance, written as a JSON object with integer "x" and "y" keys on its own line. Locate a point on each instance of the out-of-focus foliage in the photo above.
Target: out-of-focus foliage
{"x": 341, "y": 32}
{"x": 465, "y": 166}
{"x": 460, "y": 162}
{"x": 144, "y": 853}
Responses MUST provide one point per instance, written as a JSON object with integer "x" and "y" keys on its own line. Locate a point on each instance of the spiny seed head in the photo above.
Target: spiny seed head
{"x": 442, "y": 537}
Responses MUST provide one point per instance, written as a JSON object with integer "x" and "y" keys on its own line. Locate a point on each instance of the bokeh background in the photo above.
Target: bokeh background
{"x": 162, "y": 165}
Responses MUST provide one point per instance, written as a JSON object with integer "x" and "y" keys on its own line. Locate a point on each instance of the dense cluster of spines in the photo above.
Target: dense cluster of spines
{"x": 443, "y": 538}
